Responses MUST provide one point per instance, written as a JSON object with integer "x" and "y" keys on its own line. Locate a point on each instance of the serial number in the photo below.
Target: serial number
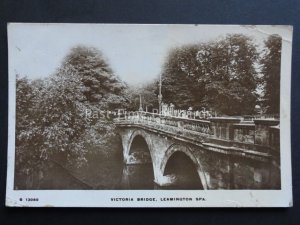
{"x": 31, "y": 199}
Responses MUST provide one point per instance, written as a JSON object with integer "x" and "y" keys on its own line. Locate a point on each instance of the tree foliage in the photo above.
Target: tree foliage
{"x": 220, "y": 75}
{"x": 27, "y": 131}
{"x": 270, "y": 62}
{"x": 101, "y": 85}
{"x": 51, "y": 113}
{"x": 148, "y": 93}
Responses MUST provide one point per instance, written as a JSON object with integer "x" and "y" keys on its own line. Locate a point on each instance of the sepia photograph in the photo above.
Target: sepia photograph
{"x": 149, "y": 115}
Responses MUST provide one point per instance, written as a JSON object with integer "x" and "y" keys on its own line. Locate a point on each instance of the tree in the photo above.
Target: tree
{"x": 101, "y": 85}
{"x": 180, "y": 78}
{"x": 61, "y": 118}
{"x": 27, "y": 132}
{"x": 270, "y": 61}
{"x": 231, "y": 89}
{"x": 51, "y": 113}
{"x": 220, "y": 75}
{"x": 83, "y": 82}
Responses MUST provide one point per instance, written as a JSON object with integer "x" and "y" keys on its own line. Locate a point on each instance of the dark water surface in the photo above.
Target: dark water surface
{"x": 138, "y": 176}
{"x": 110, "y": 173}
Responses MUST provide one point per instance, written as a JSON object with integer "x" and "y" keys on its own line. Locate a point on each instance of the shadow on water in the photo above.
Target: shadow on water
{"x": 138, "y": 173}
{"x": 179, "y": 166}
{"x": 109, "y": 172}
{"x": 137, "y": 177}
{"x": 183, "y": 171}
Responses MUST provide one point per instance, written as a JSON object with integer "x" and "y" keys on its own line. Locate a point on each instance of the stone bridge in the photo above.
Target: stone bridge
{"x": 217, "y": 153}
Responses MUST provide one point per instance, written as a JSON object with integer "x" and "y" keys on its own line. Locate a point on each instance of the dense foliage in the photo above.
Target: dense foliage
{"x": 146, "y": 93}
{"x": 101, "y": 86}
{"x": 271, "y": 74}
{"x": 51, "y": 116}
{"x": 220, "y": 75}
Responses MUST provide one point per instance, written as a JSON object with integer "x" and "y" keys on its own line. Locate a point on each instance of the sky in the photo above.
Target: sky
{"x": 136, "y": 53}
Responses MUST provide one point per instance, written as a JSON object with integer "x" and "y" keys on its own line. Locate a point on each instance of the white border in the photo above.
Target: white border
{"x": 214, "y": 198}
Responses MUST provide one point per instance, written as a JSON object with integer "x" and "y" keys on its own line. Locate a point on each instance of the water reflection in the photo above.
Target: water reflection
{"x": 141, "y": 177}
{"x": 183, "y": 172}
{"x": 137, "y": 177}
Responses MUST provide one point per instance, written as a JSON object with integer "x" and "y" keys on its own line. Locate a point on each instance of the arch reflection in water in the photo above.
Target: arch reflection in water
{"x": 182, "y": 170}
{"x": 138, "y": 177}
{"x": 139, "y": 152}
{"x": 138, "y": 172}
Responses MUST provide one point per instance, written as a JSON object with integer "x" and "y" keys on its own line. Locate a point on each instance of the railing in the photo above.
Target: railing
{"x": 263, "y": 116}
{"x": 234, "y": 130}
{"x": 166, "y": 122}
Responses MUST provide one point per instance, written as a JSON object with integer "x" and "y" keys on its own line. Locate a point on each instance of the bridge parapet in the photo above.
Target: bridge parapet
{"x": 230, "y": 131}
{"x": 223, "y": 127}
{"x": 153, "y": 119}
{"x": 265, "y": 131}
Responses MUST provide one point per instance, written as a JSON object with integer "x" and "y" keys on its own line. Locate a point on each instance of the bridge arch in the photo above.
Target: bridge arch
{"x": 139, "y": 166}
{"x": 176, "y": 148}
{"x": 139, "y": 134}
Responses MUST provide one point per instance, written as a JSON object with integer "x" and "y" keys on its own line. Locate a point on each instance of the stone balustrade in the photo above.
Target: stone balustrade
{"x": 201, "y": 126}
{"x": 262, "y": 132}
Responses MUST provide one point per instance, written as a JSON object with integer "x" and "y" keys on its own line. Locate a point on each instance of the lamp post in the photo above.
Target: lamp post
{"x": 159, "y": 95}
{"x": 141, "y": 105}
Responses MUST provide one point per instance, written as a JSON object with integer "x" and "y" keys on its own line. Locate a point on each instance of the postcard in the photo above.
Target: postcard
{"x": 149, "y": 115}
